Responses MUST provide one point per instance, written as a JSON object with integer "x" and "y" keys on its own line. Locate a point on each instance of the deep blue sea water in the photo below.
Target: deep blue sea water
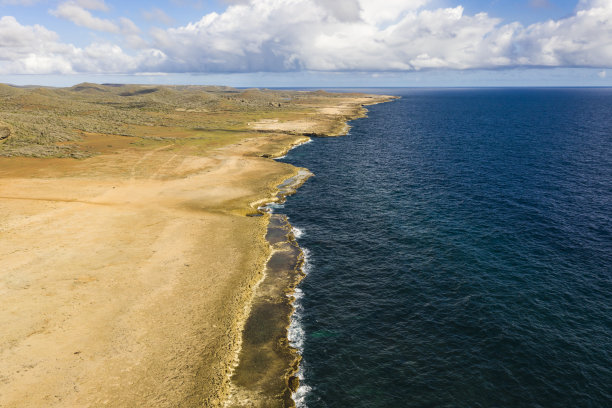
{"x": 460, "y": 252}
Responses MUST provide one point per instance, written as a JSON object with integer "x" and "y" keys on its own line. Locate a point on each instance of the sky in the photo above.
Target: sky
{"x": 308, "y": 43}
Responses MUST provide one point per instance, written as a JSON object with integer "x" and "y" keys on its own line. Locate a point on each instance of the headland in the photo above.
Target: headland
{"x": 130, "y": 256}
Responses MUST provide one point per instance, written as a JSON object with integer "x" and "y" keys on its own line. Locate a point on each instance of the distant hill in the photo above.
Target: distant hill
{"x": 46, "y": 121}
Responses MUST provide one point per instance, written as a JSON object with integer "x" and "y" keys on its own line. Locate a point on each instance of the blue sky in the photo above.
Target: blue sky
{"x": 308, "y": 42}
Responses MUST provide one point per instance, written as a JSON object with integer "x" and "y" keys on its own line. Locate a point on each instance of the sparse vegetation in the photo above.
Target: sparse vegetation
{"x": 53, "y": 122}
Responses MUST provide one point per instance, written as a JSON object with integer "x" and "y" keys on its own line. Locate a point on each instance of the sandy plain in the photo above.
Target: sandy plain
{"x": 127, "y": 276}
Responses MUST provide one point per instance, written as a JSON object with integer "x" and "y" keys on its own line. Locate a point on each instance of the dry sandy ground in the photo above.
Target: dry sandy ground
{"x": 126, "y": 278}
{"x": 316, "y": 123}
{"x": 122, "y": 290}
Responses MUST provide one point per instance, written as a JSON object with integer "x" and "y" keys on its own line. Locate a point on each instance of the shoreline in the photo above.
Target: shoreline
{"x": 129, "y": 275}
{"x": 265, "y": 371}
{"x": 284, "y": 282}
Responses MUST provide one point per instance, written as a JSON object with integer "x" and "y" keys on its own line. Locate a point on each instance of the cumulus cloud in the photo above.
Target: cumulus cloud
{"x": 77, "y": 11}
{"x": 342, "y": 10}
{"x": 374, "y": 12}
{"x": 579, "y": 40}
{"x": 110, "y": 58}
{"x": 362, "y": 35}
{"x": 30, "y": 49}
{"x": 92, "y": 4}
{"x": 37, "y": 50}
{"x": 128, "y": 26}
{"x": 343, "y": 35}
{"x": 130, "y": 32}
{"x": 268, "y": 35}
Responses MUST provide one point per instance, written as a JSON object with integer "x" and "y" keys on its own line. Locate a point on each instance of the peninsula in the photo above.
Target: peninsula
{"x": 130, "y": 255}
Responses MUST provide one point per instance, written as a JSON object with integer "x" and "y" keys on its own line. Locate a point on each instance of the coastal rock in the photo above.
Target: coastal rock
{"x": 293, "y": 383}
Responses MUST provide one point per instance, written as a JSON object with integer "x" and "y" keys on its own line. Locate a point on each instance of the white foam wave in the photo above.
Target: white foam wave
{"x": 270, "y": 207}
{"x": 301, "y": 144}
{"x": 299, "y": 396}
{"x": 296, "y": 335}
{"x": 297, "y": 232}
{"x": 275, "y": 205}
{"x": 307, "y": 265}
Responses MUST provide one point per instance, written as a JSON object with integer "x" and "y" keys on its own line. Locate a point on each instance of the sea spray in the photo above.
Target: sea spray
{"x": 296, "y": 333}
{"x": 297, "y": 232}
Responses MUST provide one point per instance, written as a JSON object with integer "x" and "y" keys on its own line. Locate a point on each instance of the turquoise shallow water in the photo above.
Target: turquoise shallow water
{"x": 460, "y": 252}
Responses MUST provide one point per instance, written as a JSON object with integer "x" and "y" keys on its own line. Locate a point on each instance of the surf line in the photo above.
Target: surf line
{"x": 269, "y": 369}
{"x": 267, "y": 372}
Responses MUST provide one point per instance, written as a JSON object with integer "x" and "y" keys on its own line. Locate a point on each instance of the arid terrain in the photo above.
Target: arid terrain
{"x": 128, "y": 258}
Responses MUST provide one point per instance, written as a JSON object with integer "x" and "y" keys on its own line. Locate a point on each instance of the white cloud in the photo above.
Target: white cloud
{"x": 130, "y": 32}
{"x": 77, "y": 11}
{"x": 583, "y": 39}
{"x": 37, "y": 50}
{"x": 365, "y": 35}
{"x": 268, "y": 35}
{"x": 128, "y": 26}
{"x": 342, "y": 10}
{"x": 92, "y": 4}
{"x": 319, "y": 35}
{"x": 30, "y": 49}
{"x": 375, "y": 12}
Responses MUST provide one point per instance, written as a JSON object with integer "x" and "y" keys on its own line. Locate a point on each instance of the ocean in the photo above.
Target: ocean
{"x": 459, "y": 252}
